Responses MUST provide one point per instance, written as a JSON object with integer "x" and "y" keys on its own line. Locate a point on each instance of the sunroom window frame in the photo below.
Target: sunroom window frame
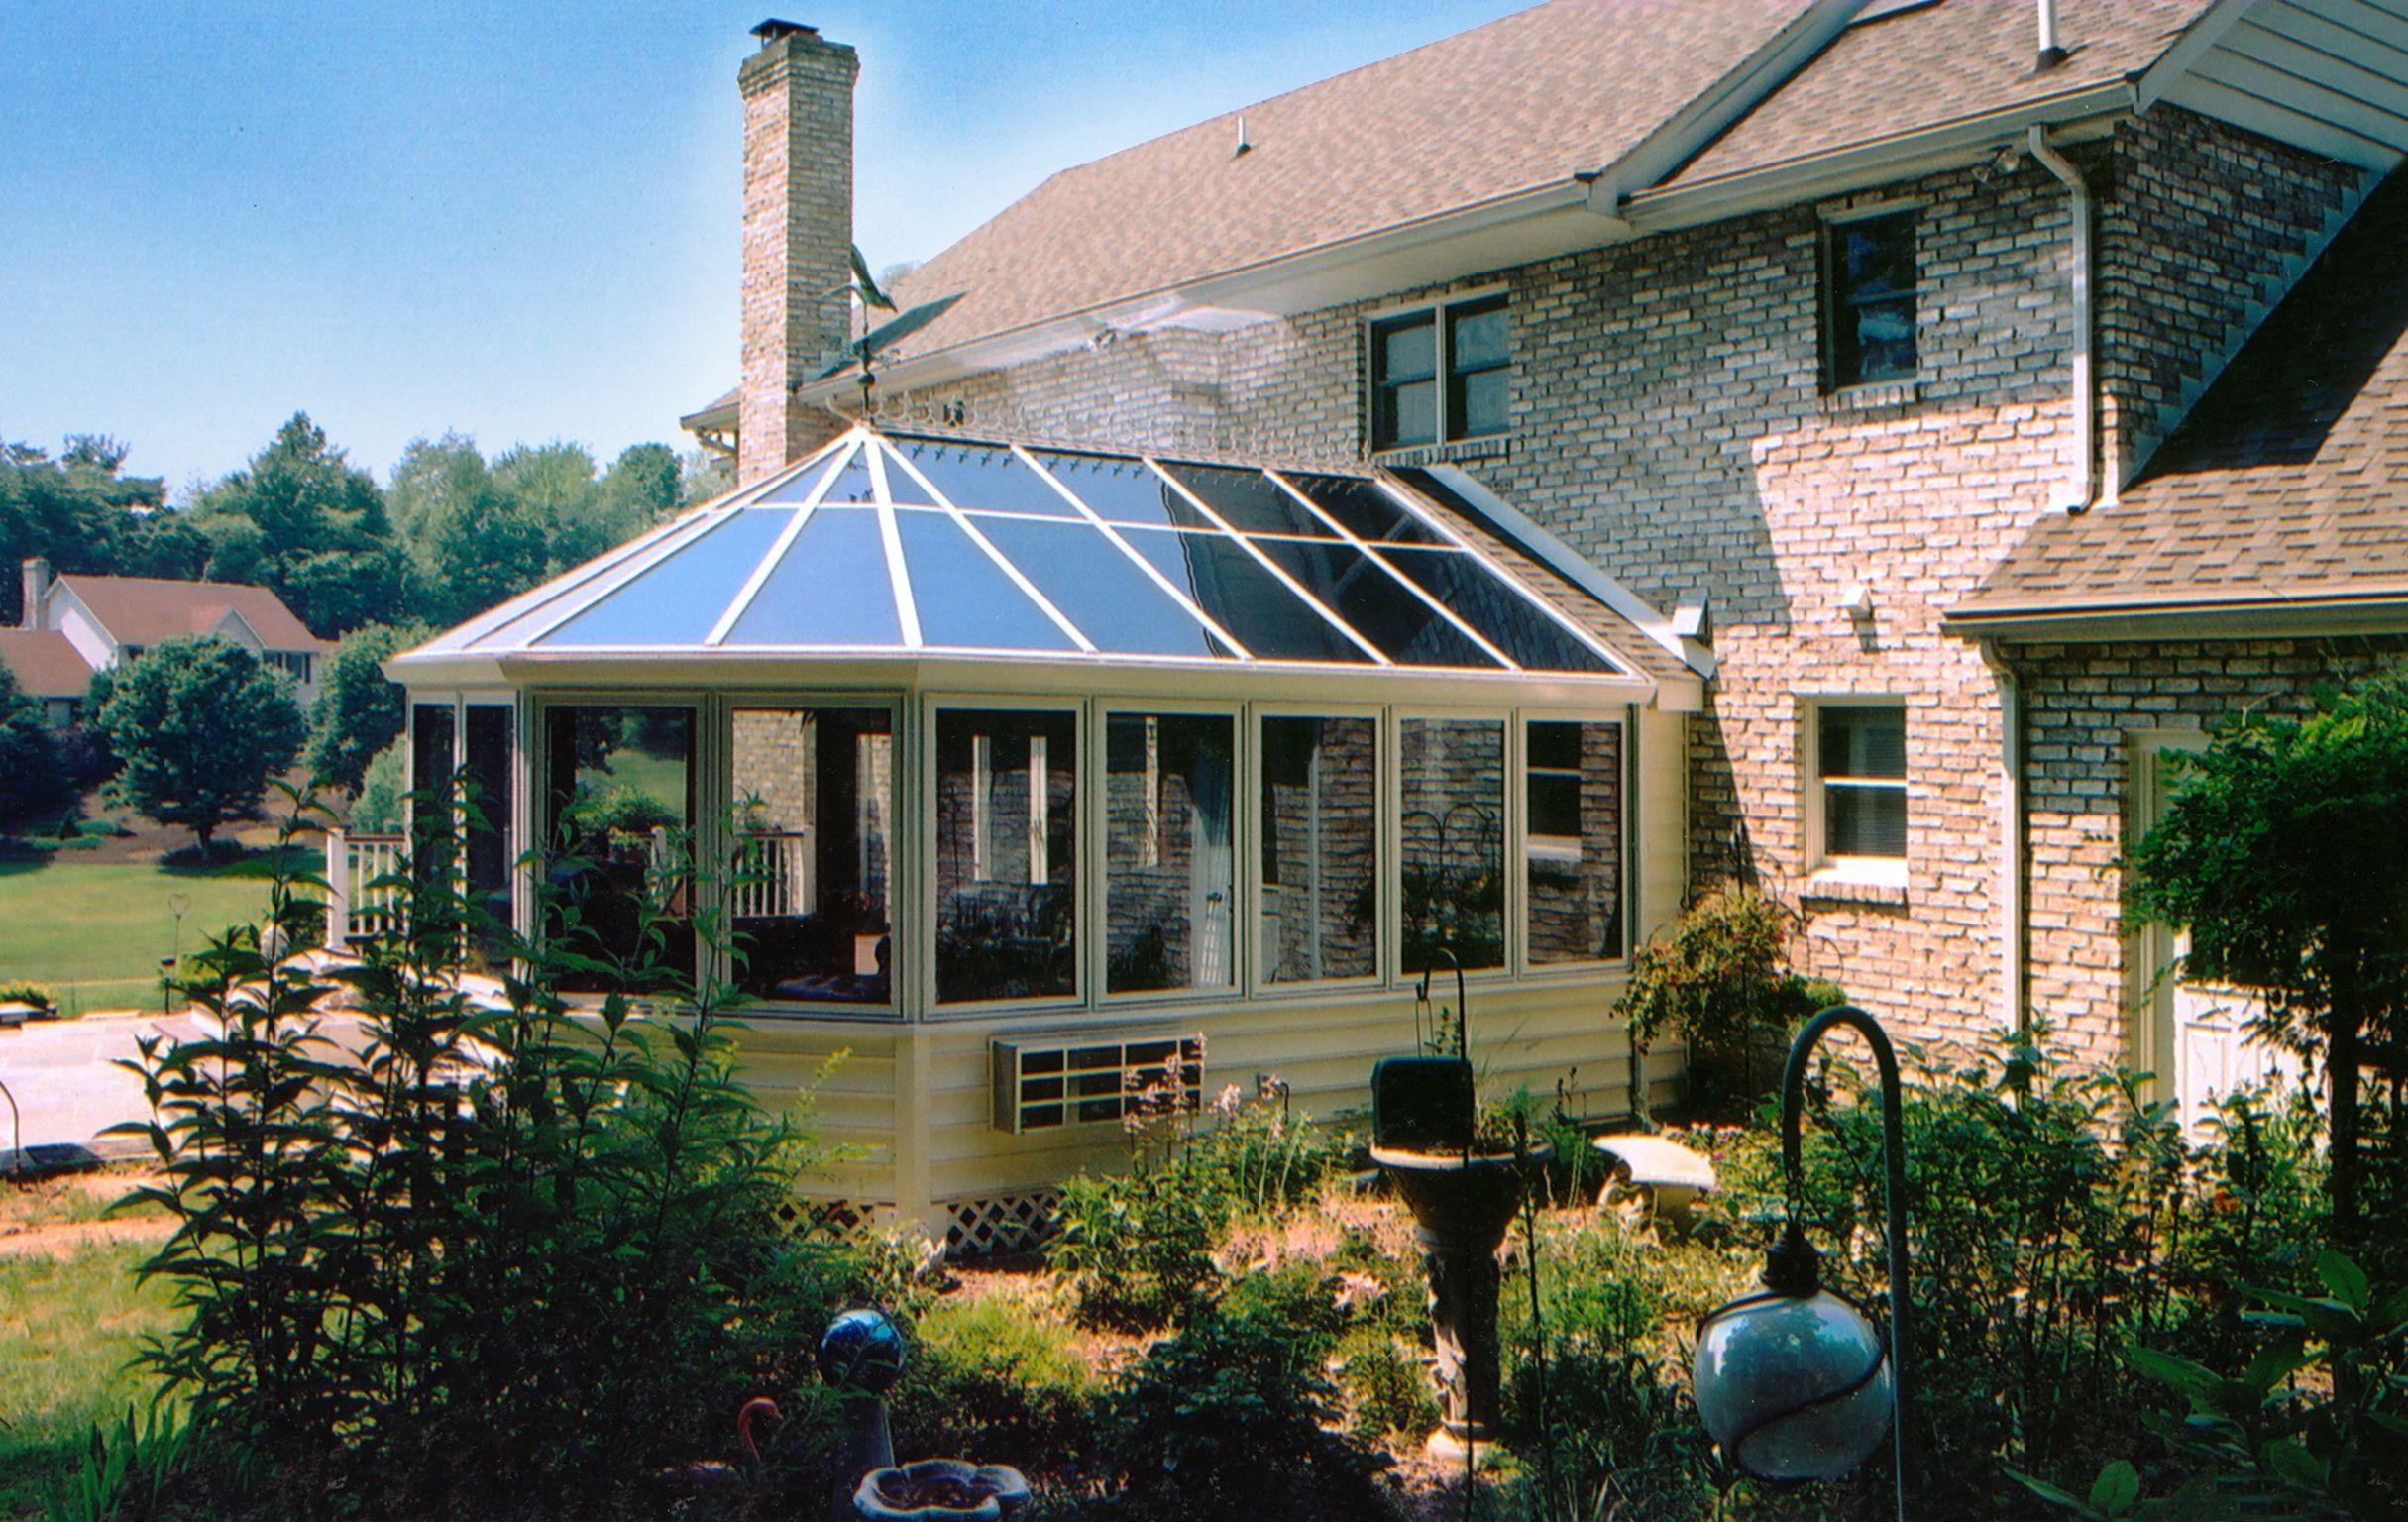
{"x": 1245, "y": 763}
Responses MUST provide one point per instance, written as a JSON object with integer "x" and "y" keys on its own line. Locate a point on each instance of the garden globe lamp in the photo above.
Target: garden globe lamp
{"x": 1793, "y": 1382}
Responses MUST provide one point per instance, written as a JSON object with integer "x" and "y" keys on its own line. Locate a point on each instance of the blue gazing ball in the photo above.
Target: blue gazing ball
{"x": 862, "y": 1351}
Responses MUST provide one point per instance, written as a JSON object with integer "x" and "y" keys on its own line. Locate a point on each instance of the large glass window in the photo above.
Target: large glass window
{"x": 1452, "y": 818}
{"x": 1320, "y": 848}
{"x": 618, "y": 821}
{"x": 1169, "y": 880}
{"x": 814, "y": 853}
{"x": 1574, "y": 848}
{"x": 1007, "y": 849}
{"x": 486, "y": 761}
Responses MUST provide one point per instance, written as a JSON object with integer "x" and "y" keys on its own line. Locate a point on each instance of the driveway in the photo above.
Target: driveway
{"x": 69, "y": 1089}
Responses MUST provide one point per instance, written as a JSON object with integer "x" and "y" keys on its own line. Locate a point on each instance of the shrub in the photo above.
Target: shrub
{"x": 34, "y": 776}
{"x": 995, "y": 1381}
{"x": 378, "y": 806}
{"x": 1136, "y": 1247}
{"x": 200, "y": 727}
{"x": 30, "y": 993}
{"x": 1721, "y": 983}
{"x": 1237, "y": 1415}
{"x": 494, "y": 1262}
{"x": 358, "y": 714}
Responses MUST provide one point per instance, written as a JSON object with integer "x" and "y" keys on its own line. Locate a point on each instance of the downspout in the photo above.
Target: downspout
{"x": 2083, "y": 489}
{"x": 2014, "y": 973}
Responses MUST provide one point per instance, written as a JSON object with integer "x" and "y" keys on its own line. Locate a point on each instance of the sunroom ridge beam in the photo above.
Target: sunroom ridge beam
{"x": 899, "y": 576}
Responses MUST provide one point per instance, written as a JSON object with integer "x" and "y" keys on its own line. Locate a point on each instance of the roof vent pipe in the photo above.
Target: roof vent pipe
{"x": 2050, "y": 53}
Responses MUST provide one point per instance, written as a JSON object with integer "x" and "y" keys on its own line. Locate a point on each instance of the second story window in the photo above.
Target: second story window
{"x": 1869, "y": 300}
{"x": 1440, "y": 375}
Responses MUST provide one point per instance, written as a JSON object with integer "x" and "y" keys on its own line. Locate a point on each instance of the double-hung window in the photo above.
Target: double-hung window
{"x": 1440, "y": 375}
{"x": 1860, "y": 764}
{"x": 1868, "y": 309}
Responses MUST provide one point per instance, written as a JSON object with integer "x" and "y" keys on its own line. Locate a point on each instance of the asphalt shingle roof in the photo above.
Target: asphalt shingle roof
{"x": 45, "y": 664}
{"x": 1525, "y": 101}
{"x": 1926, "y": 66}
{"x": 2287, "y": 483}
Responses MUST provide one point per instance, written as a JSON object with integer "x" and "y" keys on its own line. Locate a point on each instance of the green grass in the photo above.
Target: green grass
{"x": 94, "y": 932}
{"x": 67, "y": 1327}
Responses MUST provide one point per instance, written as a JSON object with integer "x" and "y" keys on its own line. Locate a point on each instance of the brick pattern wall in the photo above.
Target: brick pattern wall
{"x": 797, "y": 205}
{"x": 1670, "y": 423}
{"x": 2203, "y": 224}
{"x": 2085, "y": 708}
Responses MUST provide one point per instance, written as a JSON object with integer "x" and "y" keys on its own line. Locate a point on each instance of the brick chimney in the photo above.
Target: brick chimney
{"x": 798, "y": 94}
{"x": 36, "y": 581}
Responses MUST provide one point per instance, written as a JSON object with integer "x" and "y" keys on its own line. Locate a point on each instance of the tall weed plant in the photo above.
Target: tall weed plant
{"x": 480, "y": 1256}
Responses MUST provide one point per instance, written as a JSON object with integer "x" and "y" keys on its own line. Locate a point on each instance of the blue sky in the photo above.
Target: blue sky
{"x": 515, "y": 220}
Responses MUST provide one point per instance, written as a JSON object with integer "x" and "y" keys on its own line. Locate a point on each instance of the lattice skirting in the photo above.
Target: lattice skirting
{"x": 1007, "y": 1222}
{"x": 838, "y": 1218}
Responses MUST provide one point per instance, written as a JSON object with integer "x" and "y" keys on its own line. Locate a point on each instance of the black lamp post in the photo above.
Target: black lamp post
{"x": 1793, "y": 1382}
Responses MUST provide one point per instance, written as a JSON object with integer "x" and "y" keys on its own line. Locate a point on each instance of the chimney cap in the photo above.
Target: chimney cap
{"x": 773, "y": 29}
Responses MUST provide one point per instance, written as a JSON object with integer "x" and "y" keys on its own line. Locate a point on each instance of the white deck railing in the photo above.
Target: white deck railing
{"x": 773, "y": 877}
{"x": 361, "y": 898}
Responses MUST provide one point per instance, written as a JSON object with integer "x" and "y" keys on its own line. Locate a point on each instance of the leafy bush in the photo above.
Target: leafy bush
{"x": 34, "y": 776}
{"x": 200, "y": 725}
{"x": 1237, "y": 1415}
{"x": 1136, "y": 1247}
{"x": 358, "y": 714}
{"x": 30, "y": 993}
{"x": 1721, "y": 983}
{"x": 496, "y": 1261}
{"x": 379, "y": 809}
{"x": 995, "y": 1381}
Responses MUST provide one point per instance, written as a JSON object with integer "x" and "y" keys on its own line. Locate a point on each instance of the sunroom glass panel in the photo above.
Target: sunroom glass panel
{"x": 1237, "y": 593}
{"x": 832, "y": 589}
{"x": 678, "y": 600}
{"x": 1114, "y": 602}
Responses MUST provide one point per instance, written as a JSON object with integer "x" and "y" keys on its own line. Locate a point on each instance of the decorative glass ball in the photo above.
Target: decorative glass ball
{"x": 1792, "y": 1386}
{"x": 863, "y": 1351}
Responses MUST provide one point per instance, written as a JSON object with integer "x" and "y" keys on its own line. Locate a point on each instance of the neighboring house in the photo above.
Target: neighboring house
{"x": 1797, "y": 321}
{"x": 74, "y": 625}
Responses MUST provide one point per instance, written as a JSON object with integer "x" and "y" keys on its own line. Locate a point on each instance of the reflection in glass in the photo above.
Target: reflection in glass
{"x": 1114, "y": 602}
{"x": 1320, "y": 848}
{"x": 1168, "y": 876}
{"x": 1375, "y": 605}
{"x": 1234, "y": 589}
{"x": 963, "y": 596}
{"x": 1124, "y": 490}
{"x": 832, "y": 589}
{"x": 1505, "y": 617}
{"x": 1452, "y": 824}
{"x": 618, "y": 820}
{"x": 677, "y": 601}
{"x": 1364, "y": 510}
{"x": 1573, "y": 774}
{"x": 975, "y": 478}
{"x": 1251, "y": 502}
{"x": 813, "y": 792}
{"x": 1007, "y": 848}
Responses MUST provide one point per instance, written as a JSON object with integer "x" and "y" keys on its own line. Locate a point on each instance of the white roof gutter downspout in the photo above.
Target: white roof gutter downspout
{"x": 2083, "y": 486}
{"x": 2015, "y": 976}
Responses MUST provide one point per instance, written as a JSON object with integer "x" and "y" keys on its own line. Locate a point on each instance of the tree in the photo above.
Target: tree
{"x": 298, "y": 519}
{"x": 474, "y": 543}
{"x": 199, "y": 726}
{"x": 2282, "y": 854}
{"x": 76, "y": 511}
{"x": 358, "y": 712}
{"x": 34, "y": 776}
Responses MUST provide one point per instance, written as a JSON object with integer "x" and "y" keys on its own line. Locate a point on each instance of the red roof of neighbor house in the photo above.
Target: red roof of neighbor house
{"x": 144, "y": 611}
{"x": 47, "y": 665}
{"x": 2287, "y": 485}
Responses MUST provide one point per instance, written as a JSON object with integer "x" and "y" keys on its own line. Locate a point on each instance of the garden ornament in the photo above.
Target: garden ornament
{"x": 941, "y": 1490}
{"x": 1793, "y": 1382}
{"x": 1666, "y": 1177}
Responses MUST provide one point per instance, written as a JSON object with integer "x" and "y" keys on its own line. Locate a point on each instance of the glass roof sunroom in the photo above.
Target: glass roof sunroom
{"x": 889, "y": 545}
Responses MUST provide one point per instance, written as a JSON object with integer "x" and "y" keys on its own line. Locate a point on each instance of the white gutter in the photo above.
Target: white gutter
{"x": 2015, "y": 1007}
{"x": 2083, "y": 488}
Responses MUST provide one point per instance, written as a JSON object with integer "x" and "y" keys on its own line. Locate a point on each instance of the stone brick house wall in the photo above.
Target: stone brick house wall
{"x": 1670, "y": 423}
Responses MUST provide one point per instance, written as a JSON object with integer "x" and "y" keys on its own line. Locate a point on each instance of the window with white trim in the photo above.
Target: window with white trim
{"x": 1440, "y": 375}
{"x": 1859, "y": 787}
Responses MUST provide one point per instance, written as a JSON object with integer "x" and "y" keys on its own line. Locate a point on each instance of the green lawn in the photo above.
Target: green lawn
{"x": 67, "y": 1326}
{"x": 94, "y": 932}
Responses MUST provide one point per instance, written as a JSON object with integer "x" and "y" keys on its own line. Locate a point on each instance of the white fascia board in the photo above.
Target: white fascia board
{"x": 2194, "y": 44}
{"x": 1576, "y": 568}
{"x": 2079, "y": 116}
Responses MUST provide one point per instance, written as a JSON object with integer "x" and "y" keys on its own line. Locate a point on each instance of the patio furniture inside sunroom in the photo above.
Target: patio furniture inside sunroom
{"x": 1013, "y": 768}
